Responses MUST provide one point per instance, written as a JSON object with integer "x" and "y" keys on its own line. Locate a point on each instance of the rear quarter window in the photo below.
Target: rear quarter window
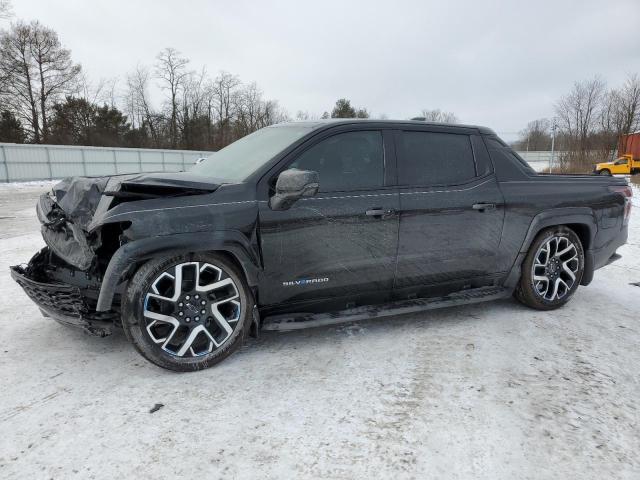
{"x": 497, "y": 148}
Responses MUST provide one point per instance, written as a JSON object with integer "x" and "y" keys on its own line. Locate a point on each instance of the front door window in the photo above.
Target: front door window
{"x": 347, "y": 161}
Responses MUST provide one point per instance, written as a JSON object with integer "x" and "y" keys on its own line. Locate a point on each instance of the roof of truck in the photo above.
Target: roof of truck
{"x": 347, "y": 121}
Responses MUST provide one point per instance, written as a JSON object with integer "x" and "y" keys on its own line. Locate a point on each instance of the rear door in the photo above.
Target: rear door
{"x": 451, "y": 211}
{"x": 339, "y": 246}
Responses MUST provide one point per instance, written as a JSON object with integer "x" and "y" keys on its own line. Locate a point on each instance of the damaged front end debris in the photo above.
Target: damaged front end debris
{"x": 65, "y": 214}
{"x": 67, "y": 303}
{"x": 64, "y": 279}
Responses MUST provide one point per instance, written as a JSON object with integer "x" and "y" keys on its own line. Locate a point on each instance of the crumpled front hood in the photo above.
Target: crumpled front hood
{"x": 68, "y": 213}
{"x": 178, "y": 180}
{"x": 79, "y": 197}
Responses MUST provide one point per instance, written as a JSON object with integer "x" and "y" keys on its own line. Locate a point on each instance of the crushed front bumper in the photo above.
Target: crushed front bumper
{"x": 65, "y": 304}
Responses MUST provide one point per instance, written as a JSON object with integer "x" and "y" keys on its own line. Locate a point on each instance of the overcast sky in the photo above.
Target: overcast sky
{"x": 495, "y": 63}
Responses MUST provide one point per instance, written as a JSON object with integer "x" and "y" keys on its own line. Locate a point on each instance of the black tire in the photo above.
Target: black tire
{"x": 528, "y": 290}
{"x": 605, "y": 171}
{"x": 138, "y": 329}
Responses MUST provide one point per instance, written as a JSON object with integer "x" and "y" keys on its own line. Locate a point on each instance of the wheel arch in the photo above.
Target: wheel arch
{"x": 584, "y": 233}
{"x": 581, "y": 220}
{"x": 235, "y": 246}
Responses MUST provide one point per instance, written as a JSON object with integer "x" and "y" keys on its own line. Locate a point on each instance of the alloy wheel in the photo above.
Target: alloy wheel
{"x": 555, "y": 268}
{"x": 192, "y": 309}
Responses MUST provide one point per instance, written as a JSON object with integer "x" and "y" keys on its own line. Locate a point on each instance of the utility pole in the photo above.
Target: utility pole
{"x": 554, "y": 126}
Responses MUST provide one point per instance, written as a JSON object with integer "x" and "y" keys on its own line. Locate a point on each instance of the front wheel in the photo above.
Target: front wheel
{"x": 605, "y": 171}
{"x": 552, "y": 269}
{"x": 186, "y": 312}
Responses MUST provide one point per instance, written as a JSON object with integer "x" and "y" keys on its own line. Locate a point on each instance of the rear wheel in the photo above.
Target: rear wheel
{"x": 552, "y": 269}
{"x": 186, "y": 312}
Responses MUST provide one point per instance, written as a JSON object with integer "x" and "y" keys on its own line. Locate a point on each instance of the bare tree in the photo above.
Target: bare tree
{"x": 439, "y": 116}
{"x": 171, "y": 69}
{"x": 6, "y": 9}
{"x": 110, "y": 89}
{"x": 629, "y": 96}
{"x": 36, "y": 71}
{"x": 273, "y": 114}
{"x": 194, "y": 120}
{"x": 611, "y": 119}
{"x": 304, "y": 115}
{"x": 224, "y": 90}
{"x": 578, "y": 112}
{"x": 56, "y": 72}
{"x": 620, "y": 112}
{"x": 249, "y": 108}
{"x": 535, "y": 136}
{"x": 18, "y": 74}
{"x": 101, "y": 92}
{"x": 195, "y": 94}
{"x": 40, "y": 85}
{"x": 139, "y": 106}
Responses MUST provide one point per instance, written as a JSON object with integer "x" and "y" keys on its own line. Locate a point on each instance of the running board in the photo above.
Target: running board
{"x": 297, "y": 321}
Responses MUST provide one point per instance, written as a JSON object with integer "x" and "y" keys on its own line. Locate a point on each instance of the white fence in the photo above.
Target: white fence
{"x": 540, "y": 161}
{"x": 20, "y": 163}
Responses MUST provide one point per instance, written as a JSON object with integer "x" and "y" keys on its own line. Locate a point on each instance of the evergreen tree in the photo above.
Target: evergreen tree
{"x": 79, "y": 122}
{"x": 343, "y": 109}
{"x": 11, "y": 130}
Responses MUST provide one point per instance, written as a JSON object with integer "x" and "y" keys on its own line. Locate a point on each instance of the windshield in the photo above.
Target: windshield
{"x": 237, "y": 161}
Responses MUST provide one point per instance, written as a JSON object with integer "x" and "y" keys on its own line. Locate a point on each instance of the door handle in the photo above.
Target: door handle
{"x": 483, "y": 206}
{"x": 378, "y": 212}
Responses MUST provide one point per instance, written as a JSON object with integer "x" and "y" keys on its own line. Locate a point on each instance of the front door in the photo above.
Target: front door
{"x": 451, "y": 212}
{"x": 341, "y": 244}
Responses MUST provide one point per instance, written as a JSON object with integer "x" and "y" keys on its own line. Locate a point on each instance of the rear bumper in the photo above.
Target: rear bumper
{"x": 602, "y": 256}
{"x": 65, "y": 304}
{"x": 595, "y": 259}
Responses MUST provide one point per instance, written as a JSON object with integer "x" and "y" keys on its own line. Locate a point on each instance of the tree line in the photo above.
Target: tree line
{"x": 588, "y": 122}
{"x": 45, "y": 97}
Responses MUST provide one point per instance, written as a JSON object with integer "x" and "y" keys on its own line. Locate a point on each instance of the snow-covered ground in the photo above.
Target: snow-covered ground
{"x": 490, "y": 391}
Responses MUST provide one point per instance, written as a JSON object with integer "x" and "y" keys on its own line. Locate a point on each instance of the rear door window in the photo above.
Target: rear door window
{"x": 432, "y": 158}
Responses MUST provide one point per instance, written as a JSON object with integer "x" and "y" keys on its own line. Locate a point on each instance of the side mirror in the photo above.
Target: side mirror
{"x": 292, "y": 185}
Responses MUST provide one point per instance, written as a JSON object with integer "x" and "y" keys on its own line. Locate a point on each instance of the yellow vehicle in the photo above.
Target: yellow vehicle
{"x": 626, "y": 164}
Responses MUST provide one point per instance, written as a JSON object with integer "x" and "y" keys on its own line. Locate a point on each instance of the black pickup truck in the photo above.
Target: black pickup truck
{"x": 314, "y": 223}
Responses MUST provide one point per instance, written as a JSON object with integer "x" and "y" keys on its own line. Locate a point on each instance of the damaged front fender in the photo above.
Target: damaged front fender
{"x": 102, "y": 227}
{"x": 233, "y": 242}
{"x": 73, "y": 213}
{"x": 65, "y": 214}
